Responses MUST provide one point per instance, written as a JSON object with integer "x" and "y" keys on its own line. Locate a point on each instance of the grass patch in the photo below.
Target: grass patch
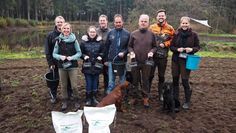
{"x": 233, "y": 44}
{"x": 217, "y": 54}
{"x": 218, "y": 35}
{"x": 26, "y": 54}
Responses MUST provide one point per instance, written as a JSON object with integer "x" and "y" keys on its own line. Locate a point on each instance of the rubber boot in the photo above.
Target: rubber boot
{"x": 160, "y": 86}
{"x": 94, "y": 100}
{"x": 160, "y": 91}
{"x": 88, "y": 101}
{"x": 188, "y": 93}
{"x": 64, "y": 105}
{"x": 53, "y": 95}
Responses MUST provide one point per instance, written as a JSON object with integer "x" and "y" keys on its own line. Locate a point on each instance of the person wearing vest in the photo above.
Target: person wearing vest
{"x": 67, "y": 53}
{"x": 52, "y": 63}
{"x": 164, "y": 34}
{"x": 185, "y": 41}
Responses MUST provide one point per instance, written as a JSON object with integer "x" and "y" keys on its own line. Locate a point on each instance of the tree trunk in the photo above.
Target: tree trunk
{"x": 28, "y": 9}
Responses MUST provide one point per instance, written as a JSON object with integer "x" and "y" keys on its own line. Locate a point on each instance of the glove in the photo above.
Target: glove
{"x": 99, "y": 58}
{"x": 86, "y": 57}
{"x": 132, "y": 55}
{"x": 150, "y": 54}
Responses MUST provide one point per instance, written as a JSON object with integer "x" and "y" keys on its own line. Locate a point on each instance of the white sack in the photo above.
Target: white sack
{"x": 99, "y": 118}
{"x": 67, "y": 122}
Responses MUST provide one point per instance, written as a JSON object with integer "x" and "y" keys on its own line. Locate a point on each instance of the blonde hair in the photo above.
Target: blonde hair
{"x": 185, "y": 18}
{"x": 66, "y": 24}
{"x": 59, "y": 17}
{"x": 91, "y": 27}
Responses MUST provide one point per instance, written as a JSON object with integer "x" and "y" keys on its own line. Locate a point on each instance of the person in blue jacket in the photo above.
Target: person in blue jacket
{"x": 116, "y": 50}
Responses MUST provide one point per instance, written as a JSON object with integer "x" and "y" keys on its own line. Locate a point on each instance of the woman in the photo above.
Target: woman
{"x": 185, "y": 42}
{"x": 92, "y": 54}
{"x": 67, "y": 52}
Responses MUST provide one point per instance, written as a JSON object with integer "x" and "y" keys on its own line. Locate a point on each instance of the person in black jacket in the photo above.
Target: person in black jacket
{"x": 52, "y": 63}
{"x": 92, "y": 55}
{"x": 185, "y": 42}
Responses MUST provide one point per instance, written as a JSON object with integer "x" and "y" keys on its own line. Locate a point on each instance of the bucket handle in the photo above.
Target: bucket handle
{"x": 115, "y": 58}
{"x": 53, "y": 73}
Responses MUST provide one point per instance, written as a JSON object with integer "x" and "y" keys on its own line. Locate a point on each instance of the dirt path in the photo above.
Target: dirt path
{"x": 25, "y": 107}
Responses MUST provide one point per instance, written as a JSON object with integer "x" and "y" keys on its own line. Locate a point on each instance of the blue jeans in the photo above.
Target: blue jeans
{"x": 112, "y": 78}
{"x": 91, "y": 82}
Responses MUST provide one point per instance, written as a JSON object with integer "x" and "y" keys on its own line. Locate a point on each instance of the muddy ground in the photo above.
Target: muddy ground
{"x": 25, "y": 106}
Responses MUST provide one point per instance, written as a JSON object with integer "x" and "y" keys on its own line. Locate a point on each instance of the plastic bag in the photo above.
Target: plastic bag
{"x": 99, "y": 118}
{"x": 67, "y": 122}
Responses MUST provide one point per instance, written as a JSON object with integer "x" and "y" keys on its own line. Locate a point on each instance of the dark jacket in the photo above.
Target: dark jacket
{"x": 184, "y": 39}
{"x": 92, "y": 48}
{"x": 111, "y": 44}
{"x": 141, "y": 43}
{"x": 49, "y": 46}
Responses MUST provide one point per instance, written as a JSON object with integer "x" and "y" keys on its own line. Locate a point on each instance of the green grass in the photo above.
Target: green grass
{"x": 217, "y": 54}
{"x": 218, "y": 35}
{"x": 233, "y": 44}
{"x": 22, "y": 54}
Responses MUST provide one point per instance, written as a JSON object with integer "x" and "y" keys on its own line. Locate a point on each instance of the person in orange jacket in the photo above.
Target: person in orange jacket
{"x": 164, "y": 34}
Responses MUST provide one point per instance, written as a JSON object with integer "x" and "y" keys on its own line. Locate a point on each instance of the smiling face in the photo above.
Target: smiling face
{"x": 118, "y": 23}
{"x": 92, "y": 32}
{"x": 185, "y": 23}
{"x": 66, "y": 29}
{"x": 161, "y": 17}
{"x": 103, "y": 22}
{"x": 59, "y": 21}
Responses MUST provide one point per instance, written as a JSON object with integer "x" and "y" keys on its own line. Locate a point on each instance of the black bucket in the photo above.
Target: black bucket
{"x": 52, "y": 79}
{"x": 149, "y": 62}
{"x": 118, "y": 67}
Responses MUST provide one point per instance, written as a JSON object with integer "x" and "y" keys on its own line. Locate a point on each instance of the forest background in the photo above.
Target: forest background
{"x": 220, "y": 13}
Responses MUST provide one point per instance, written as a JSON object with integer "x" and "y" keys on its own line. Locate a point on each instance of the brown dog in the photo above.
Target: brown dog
{"x": 115, "y": 97}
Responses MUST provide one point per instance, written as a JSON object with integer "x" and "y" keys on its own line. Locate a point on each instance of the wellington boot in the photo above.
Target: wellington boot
{"x": 94, "y": 100}
{"x": 88, "y": 101}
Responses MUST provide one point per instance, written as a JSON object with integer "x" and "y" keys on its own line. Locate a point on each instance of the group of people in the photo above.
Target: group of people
{"x": 102, "y": 46}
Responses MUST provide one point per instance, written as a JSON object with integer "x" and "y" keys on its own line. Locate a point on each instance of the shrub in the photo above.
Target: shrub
{"x": 10, "y": 21}
{"x": 3, "y": 22}
{"x": 33, "y": 22}
{"x": 22, "y": 22}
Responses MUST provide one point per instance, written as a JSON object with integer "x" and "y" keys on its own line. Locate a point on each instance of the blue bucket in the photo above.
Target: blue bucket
{"x": 193, "y": 62}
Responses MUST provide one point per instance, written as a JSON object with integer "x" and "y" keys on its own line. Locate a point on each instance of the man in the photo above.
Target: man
{"x": 164, "y": 34}
{"x": 116, "y": 50}
{"x": 102, "y": 31}
{"x": 52, "y": 63}
{"x": 142, "y": 45}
